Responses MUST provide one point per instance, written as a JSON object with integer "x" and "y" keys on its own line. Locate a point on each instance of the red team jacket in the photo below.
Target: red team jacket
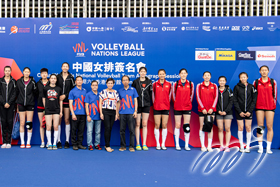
{"x": 266, "y": 100}
{"x": 161, "y": 95}
{"x": 207, "y": 96}
{"x": 183, "y": 96}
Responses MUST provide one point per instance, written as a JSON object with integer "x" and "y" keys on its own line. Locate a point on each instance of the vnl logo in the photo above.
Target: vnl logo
{"x": 80, "y": 49}
{"x": 229, "y": 165}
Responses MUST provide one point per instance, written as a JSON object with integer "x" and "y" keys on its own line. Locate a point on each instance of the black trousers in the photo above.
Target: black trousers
{"x": 109, "y": 119}
{"x": 130, "y": 120}
{"x": 7, "y": 117}
{"x": 77, "y": 130}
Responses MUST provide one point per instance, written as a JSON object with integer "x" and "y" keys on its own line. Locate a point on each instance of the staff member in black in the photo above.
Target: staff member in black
{"x": 7, "y": 105}
{"x": 26, "y": 89}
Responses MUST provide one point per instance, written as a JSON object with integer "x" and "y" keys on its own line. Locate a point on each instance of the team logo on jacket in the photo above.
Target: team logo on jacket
{"x": 212, "y": 87}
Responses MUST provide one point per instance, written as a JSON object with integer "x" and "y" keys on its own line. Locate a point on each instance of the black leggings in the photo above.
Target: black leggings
{"x": 109, "y": 119}
{"x": 7, "y": 116}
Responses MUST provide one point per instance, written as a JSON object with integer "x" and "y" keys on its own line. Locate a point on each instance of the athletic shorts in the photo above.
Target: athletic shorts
{"x": 145, "y": 109}
{"x": 22, "y": 108}
{"x": 200, "y": 114}
{"x": 52, "y": 112}
{"x": 65, "y": 105}
{"x": 264, "y": 110}
{"x": 40, "y": 109}
{"x": 182, "y": 112}
{"x": 218, "y": 116}
{"x": 238, "y": 117}
{"x": 161, "y": 112}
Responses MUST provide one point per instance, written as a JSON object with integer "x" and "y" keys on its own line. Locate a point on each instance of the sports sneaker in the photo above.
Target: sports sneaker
{"x": 54, "y": 147}
{"x": 178, "y": 148}
{"x": 90, "y": 148}
{"x": 28, "y": 146}
{"x": 158, "y": 147}
{"x": 222, "y": 148}
{"x": 122, "y": 149}
{"x": 145, "y": 148}
{"x": 227, "y": 149}
{"x": 138, "y": 148}
{"x": 22, "y": 146}
{"x": 209, "y": 149}
{"x": 42, "y": 145}
{"x": 242, "y": 150}
{"x": 203, "y": 149}
{"x": 49, "y": 147}
{"x": 260, "y": 150}
{"x": 131, "y": 149}
{"x": 59, "y": 145}
{"x": 4, "y": 146}
{"x": 163, "y": 147}
{"x": 187, "y": 148}
{"x": 247, "y": 150}
{"x": 8, "y": 146}
{"x": 66, "y": 145}
{"x": 268, "y": 151}
{"x": 98, "y": 147}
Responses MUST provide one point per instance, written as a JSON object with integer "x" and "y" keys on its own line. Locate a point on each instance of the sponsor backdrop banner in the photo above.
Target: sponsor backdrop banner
{"x": 101, "y": 48}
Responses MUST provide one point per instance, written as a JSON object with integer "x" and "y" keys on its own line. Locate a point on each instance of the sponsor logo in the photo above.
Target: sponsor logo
{"x": 246, "y": 28}
{"x": 225, "y": 55}
{"x": 2, "y": 30}
{"x": 189, "y": 28}
{"x": 168, "y": 28}
{"x": 257, "y": 28}
{"x": 15, "y": 29}
{"x": 266, "y": 55}
{"x": 69, "y": 29}
{"x": 272, "y": 28}
{"x": 150, "y": 29}
{"x": 220, "y": 28}
{"x": 46, "y": 29}
{"x": 100, "y": 29}
{"x": 204, "y": 55}
{"x": 206, "y": 28}
{"x": 130, "y": 29}
{"x": 206, "y": 23}
{"x": 80, "y": 49}
{"x": 245, "y": 55}
{"x": 235, "y": 28}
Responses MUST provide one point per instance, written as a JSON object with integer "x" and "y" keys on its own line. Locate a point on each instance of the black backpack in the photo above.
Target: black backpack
{"x": 272, "y": 84}
{"x": 177, "y": 86}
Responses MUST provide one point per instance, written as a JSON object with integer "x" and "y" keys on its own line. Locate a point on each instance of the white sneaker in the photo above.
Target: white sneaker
{"x": 187, "y": 148}
{"x": 42, "y": 145}
{"x": 158, "y": 147}
{"x": 242, "y": 150}
{"x": 163, "y": 147}
{"x": 268, "y": 151}
{"x": 247, "y": 150}
{"x": 203, "y": 149}
{"x": 260, "y": 150}
{"x": 209, "y": 149}
{"x": 4, "y": 146}
{"x": 47, "y": 145}
{"x": 8, "y": 146}
{"x": 178, "y": 148}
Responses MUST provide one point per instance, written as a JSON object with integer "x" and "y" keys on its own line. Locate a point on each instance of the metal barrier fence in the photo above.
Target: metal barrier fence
{"x": 136, "y": 8}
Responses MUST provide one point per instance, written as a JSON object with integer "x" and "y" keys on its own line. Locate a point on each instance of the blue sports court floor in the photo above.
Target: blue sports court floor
{"x": 41, "y": 167}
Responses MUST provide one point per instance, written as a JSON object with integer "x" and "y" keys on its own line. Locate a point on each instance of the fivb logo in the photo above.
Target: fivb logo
{"x": 80, "y": 49}
{"x": 46, "y": 29}
{"x": 231, "y": 163}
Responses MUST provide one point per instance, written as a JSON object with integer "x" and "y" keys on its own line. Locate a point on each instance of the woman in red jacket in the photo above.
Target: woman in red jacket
{"x": 207, "y": 97}
{"x": 265, "y": 106}
{"x": 182, "y": 94}
{"x": 161, "y": 99}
